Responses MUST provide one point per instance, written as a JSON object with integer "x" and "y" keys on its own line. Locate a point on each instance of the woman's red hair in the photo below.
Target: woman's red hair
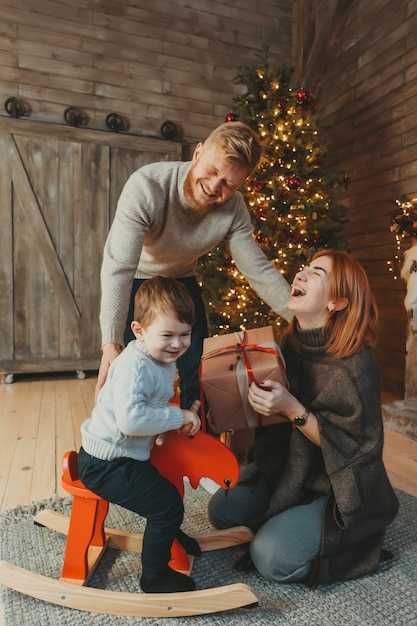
{"x": 349, "y": 329}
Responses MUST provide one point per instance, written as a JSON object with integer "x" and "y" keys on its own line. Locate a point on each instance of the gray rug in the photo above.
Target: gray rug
{"x": 386, "y": 598}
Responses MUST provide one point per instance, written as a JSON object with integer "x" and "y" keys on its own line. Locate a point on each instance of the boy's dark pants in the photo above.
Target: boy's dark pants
{"x": 138, "y": 486}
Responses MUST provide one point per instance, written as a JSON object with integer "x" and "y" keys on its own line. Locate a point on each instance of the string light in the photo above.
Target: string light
{"x": 404, "y": 226}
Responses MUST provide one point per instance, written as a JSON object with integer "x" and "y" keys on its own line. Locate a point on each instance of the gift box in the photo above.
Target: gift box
{"x": 230, "y": 363}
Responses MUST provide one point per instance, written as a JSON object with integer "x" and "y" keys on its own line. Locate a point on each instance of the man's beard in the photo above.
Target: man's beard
{"x": 191, "y": 200}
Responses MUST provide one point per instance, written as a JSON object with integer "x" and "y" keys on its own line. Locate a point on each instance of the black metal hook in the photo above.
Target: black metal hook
{"x": 74, "y": 116}
{"x": 16, "y": 107}
{"x": 117, "y": 123}
{"x": 170, "y": 130}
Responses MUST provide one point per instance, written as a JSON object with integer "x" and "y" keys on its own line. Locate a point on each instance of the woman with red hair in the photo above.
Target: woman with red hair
{"x": 315, "y": 489}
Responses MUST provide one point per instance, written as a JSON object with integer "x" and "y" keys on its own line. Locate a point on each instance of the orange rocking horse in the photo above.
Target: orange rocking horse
{"x": 87, "y": 538}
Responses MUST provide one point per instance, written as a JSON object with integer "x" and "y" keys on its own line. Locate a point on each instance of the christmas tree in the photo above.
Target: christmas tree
{"x": 291, "y": 196}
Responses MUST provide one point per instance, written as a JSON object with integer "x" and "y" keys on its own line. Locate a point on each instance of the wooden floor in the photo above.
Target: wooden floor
{"x": 41, "y": 418}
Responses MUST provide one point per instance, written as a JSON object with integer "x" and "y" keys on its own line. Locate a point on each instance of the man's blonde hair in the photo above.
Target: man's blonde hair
{"x": 238, "y": 143}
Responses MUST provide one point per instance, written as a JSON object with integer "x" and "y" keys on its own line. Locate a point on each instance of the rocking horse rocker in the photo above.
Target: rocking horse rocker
{"x": 87, "y": 539}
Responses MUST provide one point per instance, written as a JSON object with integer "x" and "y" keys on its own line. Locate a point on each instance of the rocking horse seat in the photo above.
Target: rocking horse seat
{"x": 87, "y": 539}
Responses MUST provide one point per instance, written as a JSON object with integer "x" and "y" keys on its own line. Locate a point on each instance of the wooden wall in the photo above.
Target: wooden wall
{"x": 148, "y": 61}
{"x": 366, "y": 78}
{"x": 175, "y": 60}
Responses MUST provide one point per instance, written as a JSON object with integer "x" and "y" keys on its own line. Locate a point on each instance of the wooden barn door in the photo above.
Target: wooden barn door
{"x": 58, "y": 196}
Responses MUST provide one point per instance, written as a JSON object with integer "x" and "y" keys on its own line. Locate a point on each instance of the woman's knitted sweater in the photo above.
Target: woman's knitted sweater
{"x": 344, "y": 394}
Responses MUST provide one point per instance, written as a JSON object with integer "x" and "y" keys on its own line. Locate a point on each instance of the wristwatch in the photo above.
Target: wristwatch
{"x": 301, "y": 419}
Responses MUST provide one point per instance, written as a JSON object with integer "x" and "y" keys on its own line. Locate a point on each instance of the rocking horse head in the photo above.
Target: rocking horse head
{"x": 409, "y": 274}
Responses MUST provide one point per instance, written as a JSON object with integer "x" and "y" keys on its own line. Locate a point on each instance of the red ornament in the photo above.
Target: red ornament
{"x": 302, "y": 96}
{"x": 294, "y": 183}
{"x": 259, "y": 238}
{"x": 260, "y": 211}
{"x": 231, "y": 117}
{"x": 415, "y": 227}
{"x": 284, "y": 236}
{"x": 256, "y": 185}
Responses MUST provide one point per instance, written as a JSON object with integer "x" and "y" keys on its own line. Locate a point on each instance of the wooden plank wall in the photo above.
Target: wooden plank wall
{"x": 367, "y": 90}
{"x": 175, "y": 60}
{"x": 148, "y": 61}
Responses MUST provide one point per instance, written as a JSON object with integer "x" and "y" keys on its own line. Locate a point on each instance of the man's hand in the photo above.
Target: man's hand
{"x": 110, "y": 352}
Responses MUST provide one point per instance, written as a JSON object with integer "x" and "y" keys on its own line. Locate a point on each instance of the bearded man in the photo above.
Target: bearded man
{"x": 168, "y": 215}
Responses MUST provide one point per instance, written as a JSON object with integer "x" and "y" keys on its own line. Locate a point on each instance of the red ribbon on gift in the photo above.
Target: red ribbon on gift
{"x": 244, "y": 349}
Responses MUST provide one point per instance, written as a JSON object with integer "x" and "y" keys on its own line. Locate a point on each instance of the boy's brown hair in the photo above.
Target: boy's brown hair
{"x": 160, "y": 294}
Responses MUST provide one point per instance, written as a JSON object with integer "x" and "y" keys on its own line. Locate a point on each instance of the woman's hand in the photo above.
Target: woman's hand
{"x": 270, "y": 397}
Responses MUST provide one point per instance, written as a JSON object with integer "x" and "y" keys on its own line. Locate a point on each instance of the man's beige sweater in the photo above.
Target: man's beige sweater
{"x": 155, "y": 232}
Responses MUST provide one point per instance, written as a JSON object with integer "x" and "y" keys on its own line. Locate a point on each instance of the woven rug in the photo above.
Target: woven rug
{"x": 386, "y": 598}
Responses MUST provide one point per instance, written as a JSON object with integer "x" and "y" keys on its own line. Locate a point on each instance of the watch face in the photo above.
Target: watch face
{"x": 300, "y": 421}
